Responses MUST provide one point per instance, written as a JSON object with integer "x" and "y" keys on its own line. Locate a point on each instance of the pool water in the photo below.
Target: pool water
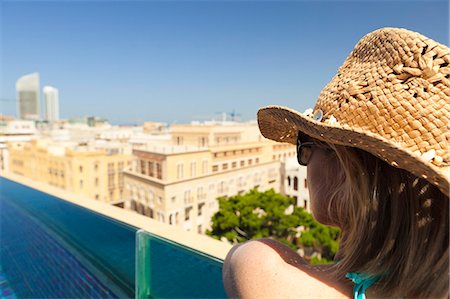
{"x": 89, "y": 257}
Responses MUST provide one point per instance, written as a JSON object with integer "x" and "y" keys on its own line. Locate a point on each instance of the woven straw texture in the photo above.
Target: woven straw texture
{"x": 391, "y": 97}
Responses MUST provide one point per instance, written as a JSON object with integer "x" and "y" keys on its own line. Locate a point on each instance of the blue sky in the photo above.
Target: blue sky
{"x": 174, "y": 61}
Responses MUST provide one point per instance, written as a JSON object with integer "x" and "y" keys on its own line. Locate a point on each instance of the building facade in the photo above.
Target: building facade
{"x": 179, "y": 184}
{"x": 27, "y": 88}
{"x": 12, "y": 130}
{"x": 79, "y": 168}
{"x": 295, "y": 183}
{"x": 51, "y": 96}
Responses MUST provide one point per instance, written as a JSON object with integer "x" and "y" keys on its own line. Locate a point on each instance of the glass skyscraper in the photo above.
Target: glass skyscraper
{"x": 27, "y": 88}
{"x": 51, "y": 96}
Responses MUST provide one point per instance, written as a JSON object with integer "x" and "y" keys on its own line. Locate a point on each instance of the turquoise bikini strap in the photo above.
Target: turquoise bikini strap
{"x": 362, "y": 282}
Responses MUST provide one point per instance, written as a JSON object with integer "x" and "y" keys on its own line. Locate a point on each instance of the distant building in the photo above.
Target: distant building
{"x": 13, "y": 131}
{"x": 178, "y": 182}
{"x": 92, "y": 170}
{"x": 27, "y": 88}
{"x": 295, "y": 183}
{"x": 154, "y": 127}
{"x": 51, "y": 96}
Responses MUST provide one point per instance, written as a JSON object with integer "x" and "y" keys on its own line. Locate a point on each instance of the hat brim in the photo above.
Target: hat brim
{"x": 282, "y": 124}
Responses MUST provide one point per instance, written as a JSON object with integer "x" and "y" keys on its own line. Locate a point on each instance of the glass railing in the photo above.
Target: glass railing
{"x": 165, "y": 269}
{"x": 51, "y": 248}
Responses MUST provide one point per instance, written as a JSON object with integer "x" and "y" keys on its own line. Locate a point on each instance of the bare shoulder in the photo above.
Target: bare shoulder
{"x": 269, "y": 269}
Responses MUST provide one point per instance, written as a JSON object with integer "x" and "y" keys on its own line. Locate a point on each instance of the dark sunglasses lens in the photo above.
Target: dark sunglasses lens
{"x": 304, "y": 154}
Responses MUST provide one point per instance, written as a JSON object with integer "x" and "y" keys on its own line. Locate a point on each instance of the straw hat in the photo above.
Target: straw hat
{"x": 391, "y": 97}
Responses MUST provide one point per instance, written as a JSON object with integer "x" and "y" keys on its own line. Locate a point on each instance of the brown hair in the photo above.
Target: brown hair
{"x": 394, "y": 224}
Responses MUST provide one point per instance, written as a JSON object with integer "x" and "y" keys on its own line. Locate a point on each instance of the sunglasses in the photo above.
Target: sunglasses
{"x": 304, "y": 149}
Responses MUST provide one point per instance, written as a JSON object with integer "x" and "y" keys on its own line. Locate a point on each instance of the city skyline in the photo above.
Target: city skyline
{"x": 183, "y": 61}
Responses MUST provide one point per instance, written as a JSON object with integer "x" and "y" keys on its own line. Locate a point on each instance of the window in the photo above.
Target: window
{"x": 96, "y": 182}
{"x": 205, "y": 166}
{"x": 221, "y": 188}
{"x": 111, "y": 175}
{"x": 305, "y": 204}
{"x": 149, "y": 212}
{"x": 224, "y": 166}
{"x": 180, "y": 171}
{"x": 81, "y": 168}
{"x": 96, "y": 166}
{"x": 256, "y": 160}
{"x": 200, "y": 208}
{"x": 242, "y": 163}
{"x": 199, "y": 228}
{"x": 120, "y": 174}
{"x": 187, "y": 197}
{"x": 151, "y": 170}
{"x": 187, "y": 213}
{"x": 295, "y": 183}
{"x": 289, "y": 181}
{"x": 233, "y": 164}
{"x": 143, "y": 168}
{"x": 158, "y": 171}
{"x": 160, "y": 216}
{"x": 81, "y": 184}
{"x": 200, "y": 194}
{"x": 306, "y": 184}
{"x": 250, "y": 161}
{"x": 202, "y": 141}
{"x": 151, "y": 197}
{"x": 97, "y": 197}
{"x": 160, "y": 200}
{"x": 193, "y": 169}
{"x": 215, "y": 168}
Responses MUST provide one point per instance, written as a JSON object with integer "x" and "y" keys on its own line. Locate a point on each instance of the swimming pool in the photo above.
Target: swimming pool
{"x": 52, "y": 248}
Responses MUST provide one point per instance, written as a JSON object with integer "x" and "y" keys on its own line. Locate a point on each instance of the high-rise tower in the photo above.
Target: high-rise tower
{"x": 27, "y": 88}
{"x": 51, "y": 96}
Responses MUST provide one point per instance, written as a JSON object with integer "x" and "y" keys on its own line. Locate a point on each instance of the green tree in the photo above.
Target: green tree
{"x": 272, "y": 215}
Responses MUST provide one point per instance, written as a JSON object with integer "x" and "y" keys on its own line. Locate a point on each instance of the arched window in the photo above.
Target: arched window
{"x": 149, "y": 212}
{"x": 140, "y": 208}
{"x": 289, "y": 181}
{"x": 295, "y": 183}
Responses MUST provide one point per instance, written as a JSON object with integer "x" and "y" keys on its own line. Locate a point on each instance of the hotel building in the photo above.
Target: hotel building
{"x": 91, "y": 170}
{"x": 179, "y": 182}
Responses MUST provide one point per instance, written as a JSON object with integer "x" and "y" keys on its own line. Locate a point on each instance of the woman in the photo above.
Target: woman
{"x": 377, "y": 152}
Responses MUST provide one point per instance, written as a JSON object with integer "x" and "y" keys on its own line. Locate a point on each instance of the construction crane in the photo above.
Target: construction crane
{"x": 233, "y": 116}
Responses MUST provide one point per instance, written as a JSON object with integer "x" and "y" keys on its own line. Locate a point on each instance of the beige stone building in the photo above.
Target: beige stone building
{"x": 178, "y": 182}
{"x": 94, "y": 171}
{"x": 295, "y": 183}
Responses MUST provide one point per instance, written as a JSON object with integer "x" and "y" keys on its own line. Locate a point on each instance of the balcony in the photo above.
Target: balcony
{"x": 53, "y": 248}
